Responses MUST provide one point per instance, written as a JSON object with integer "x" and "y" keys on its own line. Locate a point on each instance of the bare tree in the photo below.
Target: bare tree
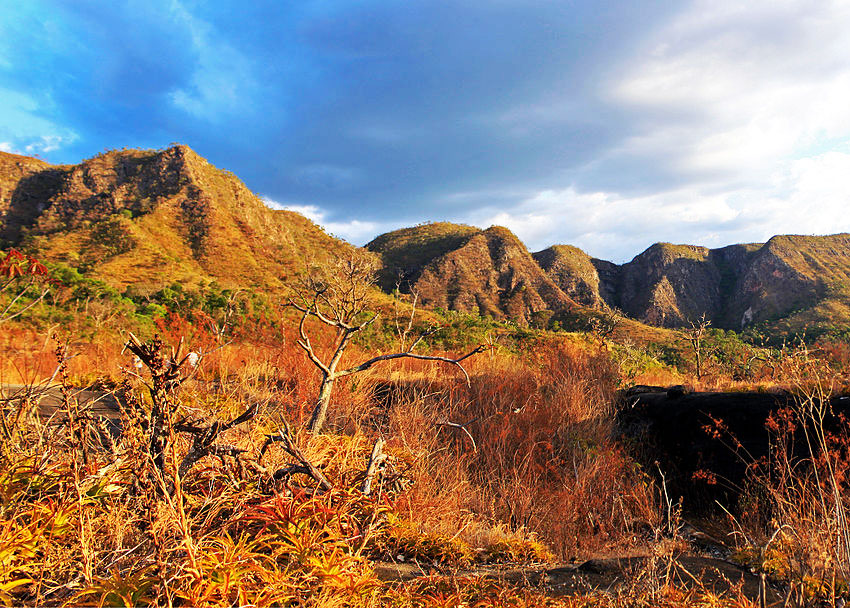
{"x": 603, "y": 325}
{"x": 338, "y": 296}
{"x": 695, "y": 335}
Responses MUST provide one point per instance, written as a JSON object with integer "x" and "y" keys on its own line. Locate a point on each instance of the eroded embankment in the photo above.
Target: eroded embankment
{"x": 707, "y": 445}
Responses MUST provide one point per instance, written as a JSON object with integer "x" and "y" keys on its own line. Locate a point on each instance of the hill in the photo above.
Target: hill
{"x": 406, "y": 252}
{"x": 152, "y": 218}
{"x": 489, "y": 272}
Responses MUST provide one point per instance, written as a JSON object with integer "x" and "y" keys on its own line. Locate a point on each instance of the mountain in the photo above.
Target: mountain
{"x": 791, "y": 281}
{"x": 155, "y": 217}
{"x": 152, "y": 218}
{"x": 466, "y": 269}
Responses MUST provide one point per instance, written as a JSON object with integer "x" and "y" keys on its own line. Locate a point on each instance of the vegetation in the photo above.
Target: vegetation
{"x": 215, "y": 494}
{"x": 278, "y": 432}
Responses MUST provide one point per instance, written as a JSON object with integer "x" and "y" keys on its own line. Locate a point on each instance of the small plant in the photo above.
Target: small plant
{"x": 24, "y": 282}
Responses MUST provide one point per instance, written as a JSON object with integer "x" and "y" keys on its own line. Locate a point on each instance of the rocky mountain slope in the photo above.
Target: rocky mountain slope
{"x": 789, "y": 282}
{"x": 152, "y": 218}
{"x": 455, "y": 267}
{"x": 155, "y": 217}
{"x": 788, "y": 279}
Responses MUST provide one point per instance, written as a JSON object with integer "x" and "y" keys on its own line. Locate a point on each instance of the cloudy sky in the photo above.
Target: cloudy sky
{"x": 601, "y": 124}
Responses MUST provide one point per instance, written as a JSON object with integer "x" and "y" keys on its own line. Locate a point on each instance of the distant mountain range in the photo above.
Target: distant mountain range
{"x": 154, "y": 217}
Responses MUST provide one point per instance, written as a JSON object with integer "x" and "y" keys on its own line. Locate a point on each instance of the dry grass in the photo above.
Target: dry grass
{"x": 529, "y": 473}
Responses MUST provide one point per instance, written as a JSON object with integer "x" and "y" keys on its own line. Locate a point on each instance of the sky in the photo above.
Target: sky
{"x": 606, "y": 125}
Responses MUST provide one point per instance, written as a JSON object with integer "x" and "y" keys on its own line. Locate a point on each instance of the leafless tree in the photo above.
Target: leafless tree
{"x": 695, "y": 335}
{"x": 338, "y": 295}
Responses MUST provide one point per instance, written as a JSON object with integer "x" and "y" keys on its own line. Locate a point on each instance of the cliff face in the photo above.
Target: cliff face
{"x": 490, "y": 272}
{"x": 668, "y": 285}
{"x": 24, "y": 184}
{"x": 574, "y": 272}
{"x": 155, "y": 217}
{"x": 790, "y": 274}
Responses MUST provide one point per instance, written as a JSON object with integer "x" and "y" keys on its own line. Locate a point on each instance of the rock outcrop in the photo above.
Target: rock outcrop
{"x": 489, "y": 272}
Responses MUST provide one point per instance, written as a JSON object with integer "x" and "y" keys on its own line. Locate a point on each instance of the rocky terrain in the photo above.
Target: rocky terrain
{"x": 155, "y": 217}
{"x": 151, "y": 218}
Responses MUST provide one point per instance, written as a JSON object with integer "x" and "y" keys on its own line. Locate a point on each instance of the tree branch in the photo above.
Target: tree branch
{"x": 284, "y": 436}
{"x": 410, "y": 355}
{"x": 463, "y": 428}
{"x": 307, "y": 347}
{"x": 375, "y": 459}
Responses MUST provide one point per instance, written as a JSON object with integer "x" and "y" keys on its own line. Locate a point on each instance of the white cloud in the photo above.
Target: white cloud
{"x": 808, "y": 196}
{"x": 44, "y": 144}
{"x": 742, "y": 108}
{"x": 728, "y": 91}
{"x": 354, "y": 231}
{"x": 24, "y": 129}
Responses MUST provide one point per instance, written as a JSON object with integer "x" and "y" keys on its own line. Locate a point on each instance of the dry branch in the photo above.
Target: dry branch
{"x": 202, "y": 443}
{"x": 376, "y": 458}
{"x": 284, "y": 436}
{"x": 462, "y": 427}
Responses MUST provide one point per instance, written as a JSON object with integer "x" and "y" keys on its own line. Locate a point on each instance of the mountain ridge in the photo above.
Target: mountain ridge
{"x": 155, "y": 217}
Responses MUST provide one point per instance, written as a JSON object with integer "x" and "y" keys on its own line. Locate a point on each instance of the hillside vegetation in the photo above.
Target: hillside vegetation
{"x": 155, "y": 218}
{"x": 487, "y": 451}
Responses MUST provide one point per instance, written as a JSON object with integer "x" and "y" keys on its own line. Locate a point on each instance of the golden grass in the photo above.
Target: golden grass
{"x": 538, "y": 477}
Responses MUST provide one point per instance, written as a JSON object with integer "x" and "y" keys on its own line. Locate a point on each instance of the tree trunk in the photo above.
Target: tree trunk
{"x": 699, "y": 361}
{"x": 320, "y": 412}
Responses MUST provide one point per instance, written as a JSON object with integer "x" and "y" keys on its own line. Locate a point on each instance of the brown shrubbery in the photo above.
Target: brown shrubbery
{"x": 514, "y": 467}
{"x": 519, "y": 466}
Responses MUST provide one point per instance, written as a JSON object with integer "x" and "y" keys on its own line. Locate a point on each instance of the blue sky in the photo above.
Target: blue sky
{"x": 605, "y": 125}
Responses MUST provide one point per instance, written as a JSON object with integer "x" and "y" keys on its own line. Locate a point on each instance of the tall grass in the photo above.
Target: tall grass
{"x": 520, "y": 465}
{"x": 792, "y": 524}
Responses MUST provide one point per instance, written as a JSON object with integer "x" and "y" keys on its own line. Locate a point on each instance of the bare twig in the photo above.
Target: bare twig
{"x": 284, "y": 436}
